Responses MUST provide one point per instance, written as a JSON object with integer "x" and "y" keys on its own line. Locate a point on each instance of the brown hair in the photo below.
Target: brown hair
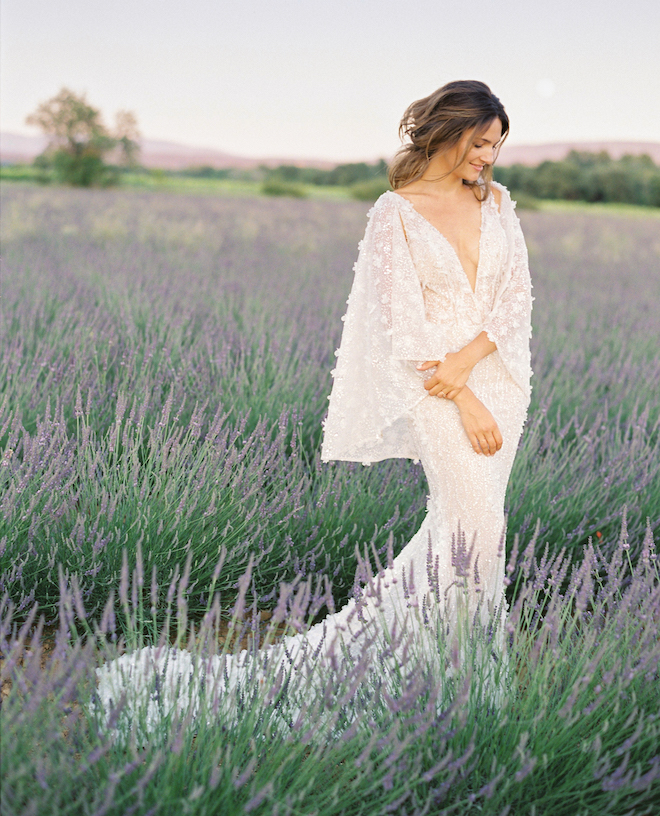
{"x": 438, "y": 122}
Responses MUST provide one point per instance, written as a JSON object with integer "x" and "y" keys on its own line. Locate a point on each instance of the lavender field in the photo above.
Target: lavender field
{"x": 165, "y": 367}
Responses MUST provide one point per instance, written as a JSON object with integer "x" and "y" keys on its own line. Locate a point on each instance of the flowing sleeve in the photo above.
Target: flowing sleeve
{"x": 385, "y": 332}
{"x": 509, "y": 323}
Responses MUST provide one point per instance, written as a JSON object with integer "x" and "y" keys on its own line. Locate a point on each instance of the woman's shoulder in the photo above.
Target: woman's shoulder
{"x": 385, "y": 201}
{"x": 500, "y": 194}
{"x": 384, "y": 206}
{"x": 391, "y": 201}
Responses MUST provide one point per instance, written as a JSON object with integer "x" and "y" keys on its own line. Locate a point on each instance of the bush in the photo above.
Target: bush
{"x": 587, "y": 177}
{"x": 370, "y": 190}
{"x": 86, "y": 169}
{"x": 524, "y": 201}
{"x": 276, "y": 187}
{"x": 343, "y": 175}
{"x": 207, "y": 172}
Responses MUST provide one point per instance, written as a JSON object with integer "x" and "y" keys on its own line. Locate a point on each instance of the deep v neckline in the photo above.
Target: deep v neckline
{"x": 449, "y": 243}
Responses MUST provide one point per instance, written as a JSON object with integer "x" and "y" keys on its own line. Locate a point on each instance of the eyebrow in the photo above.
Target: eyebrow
{"x": 478, "y": 139}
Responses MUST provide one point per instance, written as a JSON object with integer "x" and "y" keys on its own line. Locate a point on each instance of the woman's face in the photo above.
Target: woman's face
{"x": 480, "y": 153}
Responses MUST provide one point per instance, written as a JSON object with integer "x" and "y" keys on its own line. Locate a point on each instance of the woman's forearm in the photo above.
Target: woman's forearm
{"x": 477, "y": 349}
{"x": 465, "y": 397}
{"x": 451, "y": 375}
{"x": 479, "y": 424}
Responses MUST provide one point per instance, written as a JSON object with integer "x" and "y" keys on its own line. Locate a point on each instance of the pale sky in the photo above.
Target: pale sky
{"x": 330, "y": 80}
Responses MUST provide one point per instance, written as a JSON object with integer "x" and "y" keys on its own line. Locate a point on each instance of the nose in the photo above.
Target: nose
{"x": 487, "y": 154}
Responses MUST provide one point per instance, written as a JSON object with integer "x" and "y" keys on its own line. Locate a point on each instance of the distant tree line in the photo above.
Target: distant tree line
{"x": 589, "y": 177}
{"x": 581, "y": 176}
{"x": 83, "y": 151}
{"x": 343, "y": 175}
{"x": 365, "y": 181}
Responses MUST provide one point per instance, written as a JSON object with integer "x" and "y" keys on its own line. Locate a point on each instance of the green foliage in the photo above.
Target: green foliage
{"x": 207, "y": 172}
{"x": 526, "y": 202}
{"x": 592, "y": 177}
{"x": 165, "y": 367}
{"x": 349, "y": 174}
{"x": 276, "y": 187}
{"x": 365, "y": 182}
{"x": 84, "y": 168}
{"x": 79, "y": 141}
{"x": 173, "y": 354}
{"x": 564, "y": 720}
{"x": 370, "y": 190}
{"x": 292, "y": 174}
{"x": 343, "y": 175}
{"x": 38, "y": 171}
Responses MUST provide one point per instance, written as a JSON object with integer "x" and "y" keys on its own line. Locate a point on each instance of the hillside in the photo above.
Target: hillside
{"x": 16, "y": 148}
{"x": 555, "y": 151}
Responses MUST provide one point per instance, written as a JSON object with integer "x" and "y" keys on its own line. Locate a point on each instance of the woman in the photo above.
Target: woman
{"x": 433, "y": 365}
{"x": 434, "y": 359}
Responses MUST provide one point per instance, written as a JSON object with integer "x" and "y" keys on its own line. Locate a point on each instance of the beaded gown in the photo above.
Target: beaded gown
{"x": 411, "y": 301}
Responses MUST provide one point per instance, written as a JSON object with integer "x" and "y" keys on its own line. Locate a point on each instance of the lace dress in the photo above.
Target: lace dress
{"x": 411, "y": 301}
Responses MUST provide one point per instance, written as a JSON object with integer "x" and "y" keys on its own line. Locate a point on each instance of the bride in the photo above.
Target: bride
{"x": 434, "y": 365}
{"x": 434, "y": 361}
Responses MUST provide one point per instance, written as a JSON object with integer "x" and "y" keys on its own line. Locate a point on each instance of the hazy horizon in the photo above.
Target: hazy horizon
{"x": 330, "y": 81}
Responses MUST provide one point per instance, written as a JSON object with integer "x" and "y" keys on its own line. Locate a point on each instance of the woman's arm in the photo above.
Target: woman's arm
{"x": 508, "y": 326}
{"x": 450, "y": 376}
{"x": 479, "y": 423}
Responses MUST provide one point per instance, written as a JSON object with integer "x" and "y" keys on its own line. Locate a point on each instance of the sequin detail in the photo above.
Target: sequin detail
{"x": 411, "y": 301}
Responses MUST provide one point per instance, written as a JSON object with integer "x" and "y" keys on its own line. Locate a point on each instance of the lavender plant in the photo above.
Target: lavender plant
{"x": 165, "y": 368}
{"x": 573, "y": 727}
{"x": 165, "y": 363}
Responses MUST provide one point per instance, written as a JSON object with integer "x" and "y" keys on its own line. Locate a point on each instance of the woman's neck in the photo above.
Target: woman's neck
{"x": 439, "y": 178}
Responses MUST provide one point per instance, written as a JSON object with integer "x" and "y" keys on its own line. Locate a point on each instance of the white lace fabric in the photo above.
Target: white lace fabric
{"x": 411, "y": 302}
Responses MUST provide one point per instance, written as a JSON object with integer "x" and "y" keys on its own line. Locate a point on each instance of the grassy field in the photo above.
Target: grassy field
{"x": 608, "y": 208}
{"x": 164, "y": 181}
{"x": 165, "y": 367}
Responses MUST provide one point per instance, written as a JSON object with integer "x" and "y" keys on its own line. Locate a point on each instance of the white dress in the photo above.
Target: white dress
{"x": 411, "y": 301}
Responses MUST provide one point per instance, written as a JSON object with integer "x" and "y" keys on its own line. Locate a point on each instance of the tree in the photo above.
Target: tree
{"x": 127, "y": 135}
{"x": 79, "y": 141}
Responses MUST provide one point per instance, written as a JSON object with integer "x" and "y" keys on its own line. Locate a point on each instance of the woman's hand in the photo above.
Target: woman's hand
{"x": 479, "y": 424}
{"x": 449, "y": 377}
